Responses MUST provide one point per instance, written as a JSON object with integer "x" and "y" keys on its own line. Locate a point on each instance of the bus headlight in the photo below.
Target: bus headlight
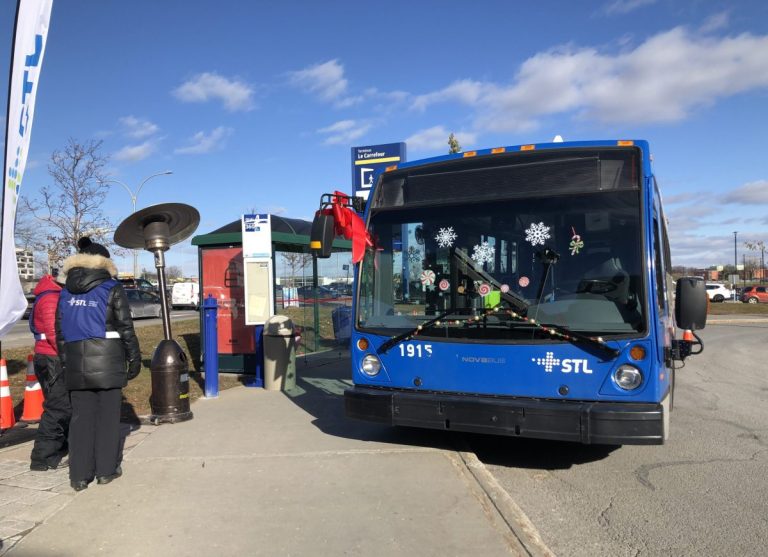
{"x": 371, "y": 365}
{"x": 628, "y": 377}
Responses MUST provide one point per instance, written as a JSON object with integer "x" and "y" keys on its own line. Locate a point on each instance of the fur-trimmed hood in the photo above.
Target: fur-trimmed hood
{"x": 82, "y": 272}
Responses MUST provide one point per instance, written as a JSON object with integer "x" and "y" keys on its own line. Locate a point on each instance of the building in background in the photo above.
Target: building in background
{"x": 25, "y": 260}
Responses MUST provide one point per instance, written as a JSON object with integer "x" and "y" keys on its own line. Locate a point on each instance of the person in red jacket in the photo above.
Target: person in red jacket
{"x": 51, "y": 439}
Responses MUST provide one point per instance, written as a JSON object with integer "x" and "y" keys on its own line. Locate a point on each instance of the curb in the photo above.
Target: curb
{"x": 510, "y": 512}
{"x": 736, "y": 321}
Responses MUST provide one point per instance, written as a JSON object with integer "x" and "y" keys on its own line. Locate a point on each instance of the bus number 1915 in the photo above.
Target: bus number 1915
{"x": 416, "y": 350}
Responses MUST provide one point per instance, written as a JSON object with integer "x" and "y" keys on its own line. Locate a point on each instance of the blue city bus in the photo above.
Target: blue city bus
{"x": 523, "y": 291}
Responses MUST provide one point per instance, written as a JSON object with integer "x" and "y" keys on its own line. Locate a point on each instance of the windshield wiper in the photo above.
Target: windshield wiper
{"x": 409, "y": 334}
{"x": 577, "y": 338}
{"x": 561, "y": 331}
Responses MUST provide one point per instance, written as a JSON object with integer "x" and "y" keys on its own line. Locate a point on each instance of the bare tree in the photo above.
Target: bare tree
{"x": 295, "y": 262}
{"x": 758, "y": 245}
{"x": 174, "y": 272}
{"x": 72, "y": 206}
{"x": 453, "y": 144}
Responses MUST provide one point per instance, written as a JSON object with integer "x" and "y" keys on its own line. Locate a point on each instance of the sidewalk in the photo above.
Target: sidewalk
{"x": 268, "y": 473}
{"x": 736, "y": 319}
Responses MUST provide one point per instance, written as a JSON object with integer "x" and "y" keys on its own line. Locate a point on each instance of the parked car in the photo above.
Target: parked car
{"x": 143, "y": 304}
{"x": 185, "y": 294}
{"x": 718, "y": 292}
{"x": 341, "y": 288}
{"x": 309, "y": 294}
{"x": 30, "y": 301}
{"x": 138, "y": 283}
{"x": 754, "y": 295}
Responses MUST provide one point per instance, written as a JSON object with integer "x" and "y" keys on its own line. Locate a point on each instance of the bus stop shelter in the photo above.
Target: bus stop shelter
{"x": 299, "y": 287}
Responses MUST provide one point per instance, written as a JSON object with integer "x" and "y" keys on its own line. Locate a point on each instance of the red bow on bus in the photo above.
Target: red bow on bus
{"x": 349, "y": 225}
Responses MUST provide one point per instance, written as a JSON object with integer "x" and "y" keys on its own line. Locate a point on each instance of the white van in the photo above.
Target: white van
{"x": 185, "y": 294}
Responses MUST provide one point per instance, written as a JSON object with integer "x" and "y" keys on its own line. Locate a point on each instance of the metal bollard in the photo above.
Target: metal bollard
{"x": 211, "y": 347}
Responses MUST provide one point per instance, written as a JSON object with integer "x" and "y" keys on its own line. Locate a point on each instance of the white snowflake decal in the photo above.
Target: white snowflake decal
{"x": 414, "y": 254}
{"x": 445, "y": 237}
{"x": 537, "y": 233}
{"x": 483, "y": 253}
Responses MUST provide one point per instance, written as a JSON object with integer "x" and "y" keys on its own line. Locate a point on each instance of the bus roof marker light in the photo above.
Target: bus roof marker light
{"x": 527, "y": 147}
{"x": 469, "y": 154}
{"x": 390, "y": 168}
{"x": 497, "y": 150}
{"x": 625, "y": 143}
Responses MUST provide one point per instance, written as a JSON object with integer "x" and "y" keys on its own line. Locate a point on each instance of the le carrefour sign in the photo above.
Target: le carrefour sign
{"x": 366, "y": 161}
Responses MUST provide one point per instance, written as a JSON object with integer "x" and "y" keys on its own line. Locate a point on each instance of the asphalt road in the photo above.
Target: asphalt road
{"x": 705, "y": 492}
{"x": 21, "y": 336}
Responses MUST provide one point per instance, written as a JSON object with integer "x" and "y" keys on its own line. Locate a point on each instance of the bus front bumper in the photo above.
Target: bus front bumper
{"x": 608, "y": 423}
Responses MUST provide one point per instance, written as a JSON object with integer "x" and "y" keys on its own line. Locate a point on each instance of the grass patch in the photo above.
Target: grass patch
{"x": 738, "y": 308}
{"x": 136, "y": 394}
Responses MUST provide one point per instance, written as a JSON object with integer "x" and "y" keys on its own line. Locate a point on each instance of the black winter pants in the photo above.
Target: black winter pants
{"x": 51, "y": 438}
{"x": 94, "y": 434}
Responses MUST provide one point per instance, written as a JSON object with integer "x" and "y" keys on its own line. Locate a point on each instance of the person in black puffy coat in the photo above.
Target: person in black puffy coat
{"x": 99, "y": 353}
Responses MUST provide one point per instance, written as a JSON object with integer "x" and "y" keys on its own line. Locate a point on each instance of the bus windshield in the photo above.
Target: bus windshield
{"x": 572, "y": 260}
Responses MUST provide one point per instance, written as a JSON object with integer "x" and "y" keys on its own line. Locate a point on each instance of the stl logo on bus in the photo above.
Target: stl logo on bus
{"x": 566, "y": 366}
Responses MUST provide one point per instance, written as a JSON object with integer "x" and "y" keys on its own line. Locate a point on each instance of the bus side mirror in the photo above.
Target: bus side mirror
{"x": 691, "y": 303}
{"x": 322, "y": 235}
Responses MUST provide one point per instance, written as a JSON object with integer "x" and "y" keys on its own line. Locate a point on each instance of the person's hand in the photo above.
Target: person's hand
{"x": 134, "y": 368}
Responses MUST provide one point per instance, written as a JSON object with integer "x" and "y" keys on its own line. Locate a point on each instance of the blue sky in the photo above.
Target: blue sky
{"x": 255, "y": 105}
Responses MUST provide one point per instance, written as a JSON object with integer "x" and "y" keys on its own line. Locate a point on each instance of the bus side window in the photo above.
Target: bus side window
{"x": 659, "y": 265}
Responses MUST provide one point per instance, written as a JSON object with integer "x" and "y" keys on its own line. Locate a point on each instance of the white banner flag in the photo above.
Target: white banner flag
{"x": 31, "y": 34}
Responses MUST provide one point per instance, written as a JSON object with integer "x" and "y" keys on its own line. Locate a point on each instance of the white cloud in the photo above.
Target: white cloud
{"x": 465, "y": 91}
{"x": 751, "y": 193}
{"x": 137, "y": 128}
{"x": 235, "y": 94}
{"x": 202, "y": 143}
{"x": 436, "y": 139}
{"x": 625, "y": 6}
{"x": 344, "y": 131}
{"x": 134, "y": 153}
{"x": 715, "y": 22}
{"x": 326, "y": 80}
{"x": 662, "y": 80}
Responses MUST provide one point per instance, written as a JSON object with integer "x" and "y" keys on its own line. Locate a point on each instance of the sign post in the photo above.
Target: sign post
{"x": 257, "y": 275}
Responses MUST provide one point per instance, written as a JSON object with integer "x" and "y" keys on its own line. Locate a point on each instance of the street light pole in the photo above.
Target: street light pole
{"x": 735, "y": 262}
{"x": 134, "y": 196}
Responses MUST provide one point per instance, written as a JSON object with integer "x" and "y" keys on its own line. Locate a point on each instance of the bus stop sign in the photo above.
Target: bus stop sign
{"x": 367, "y": 160}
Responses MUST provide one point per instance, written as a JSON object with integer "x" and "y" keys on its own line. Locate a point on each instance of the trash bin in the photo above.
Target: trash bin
{"x": 342, "y": 323}
{"x": 279, "y": 354}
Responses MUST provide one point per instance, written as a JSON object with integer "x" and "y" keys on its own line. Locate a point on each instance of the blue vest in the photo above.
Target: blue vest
{"x": 84, "y": 316}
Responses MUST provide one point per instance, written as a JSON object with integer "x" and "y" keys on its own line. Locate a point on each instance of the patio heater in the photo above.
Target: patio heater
{"x": 156, "y": 229}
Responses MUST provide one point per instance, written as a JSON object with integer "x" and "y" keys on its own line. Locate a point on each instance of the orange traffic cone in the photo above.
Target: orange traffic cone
{"x": 7, "y": 417}
{"x": 688, "y": 335}
{"x": 33, "y": 395}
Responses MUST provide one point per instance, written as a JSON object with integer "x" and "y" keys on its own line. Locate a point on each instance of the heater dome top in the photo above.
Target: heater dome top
{"x": 176, "y": 220}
